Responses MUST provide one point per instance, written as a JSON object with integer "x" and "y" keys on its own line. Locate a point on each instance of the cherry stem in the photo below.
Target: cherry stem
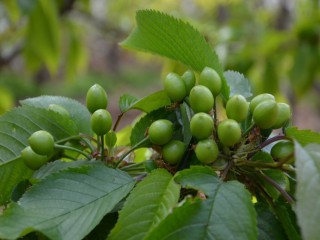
{"x": 249, "y": 129}
{"x": 273, "y": 139}
{"x": 72, "y": 149}
{"x": 276, "y": 185}
{"x": 118, "y": 121}
{"x": 138, "y": 145}
{"x": 102, "y": 147}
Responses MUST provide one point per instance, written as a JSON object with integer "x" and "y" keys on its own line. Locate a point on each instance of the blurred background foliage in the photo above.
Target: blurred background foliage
{"x": 62, "y": 47}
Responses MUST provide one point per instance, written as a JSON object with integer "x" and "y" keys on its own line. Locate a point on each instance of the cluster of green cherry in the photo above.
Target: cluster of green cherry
{"x": 42, "y": 145}
{"x": 213, "y": 139}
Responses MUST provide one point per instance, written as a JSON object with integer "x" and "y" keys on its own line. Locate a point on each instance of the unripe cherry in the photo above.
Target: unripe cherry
{"x": 160, "y": 131}
{"x": 175, "y": 87}
{"x": 201, "y": 125}
{"x": 237, "y": 108}
{"x": 284, "y": 114}
{"x": 229, "y": 132}
{"x": 96, "y": 98}
{"x": 265, "y": 114}
{"x": 207, "y": 151}
{"x": 201, "y": 99}
{"x": 259, "y": 99}
{"x": 189, "y": 80}
{"x": 211, "y": 79}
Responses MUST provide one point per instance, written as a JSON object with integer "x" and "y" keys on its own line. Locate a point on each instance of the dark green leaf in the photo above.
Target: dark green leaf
{"x": 308, "y": 189}
{"x": 66, "y": 205}
{"x": 238, "y": 84}
{"x": 269, "y": 228}
{"x": 287, "y": 219}
{"x": 78, "y": 112}
{"x": 148, "y": 204}
{"x": 227, "y": 213}
{"x": 16, "y": 127}
{"x": 186, "y": 115}
{"x": 58, "y": 165}
{"x": 167, "y": 36}
{"x": 304, "y": 137}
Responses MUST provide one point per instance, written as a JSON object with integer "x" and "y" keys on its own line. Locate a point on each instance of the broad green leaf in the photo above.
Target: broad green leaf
{"x": 148, "y": 204}
{"x": 66, "y": 205}
{"x": 269, "y": 228}
{"x": 58, "y": 165}
{"x": 78, "y": 112}
{"x": 287, "y": 218}
{"x": 308, "y": 189}
{"x": 167, "y": 36}
{"x": 238, "y": 84}
{"x": 304, "y": 137}
{"x": 16, "y": 127}
{"x": 227, "y": 213}
{"x": 139, "y": 130}
{"x": 11, "y": 173}
{"x": 147, "y": 104}
{"x": 43, "y": 37}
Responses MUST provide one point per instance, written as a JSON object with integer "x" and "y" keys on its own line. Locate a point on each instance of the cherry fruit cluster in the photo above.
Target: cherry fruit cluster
{"x": 213, "y": 138}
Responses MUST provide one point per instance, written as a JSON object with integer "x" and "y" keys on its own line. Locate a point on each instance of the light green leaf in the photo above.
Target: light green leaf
{"x": 126, "y": 101}
{"x": 238, "y": 84}
{"x": 147, "y": 104}
{"x": 227, "y": 213}
{"x": 304, "y": 137}
{"x": 148, "y": 204}
{"x": 167, "y": 36}
{"x": 78, "y": 112}
{"x": 43, "y": 37}
{"x": 77, "y": 56}
{"x": 16, "y": 127}
{"x": 308, "y": 189}
{"x": 66, "y": 205}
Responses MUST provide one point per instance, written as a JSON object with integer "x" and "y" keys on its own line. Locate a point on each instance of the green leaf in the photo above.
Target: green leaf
{"x": 167, "y": 36}
{"x": 78, "y": 112}
{"x": 308, "y": 189}
{"x": 58, "y": 165}
{"x": 227, "y": 213}
{"x": 43, "y": 37}
{"x": 66, "y": 205}
{"x": 148, "y": 204}
{"x": 287, "y": 218}
{"x": 126, "y": 101}
{"x": 147, "y": 104}
{"x": 16, "y": 127}
{"x": 11, "y": 173}
{"x": 269, "y": 228}
{"x": 139, "y": 130}
{"x": 238, "y": 84}
{"x": 304, "y": 137}
{"x": 76, "y": 59}
{"x": 186, "y": 115}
